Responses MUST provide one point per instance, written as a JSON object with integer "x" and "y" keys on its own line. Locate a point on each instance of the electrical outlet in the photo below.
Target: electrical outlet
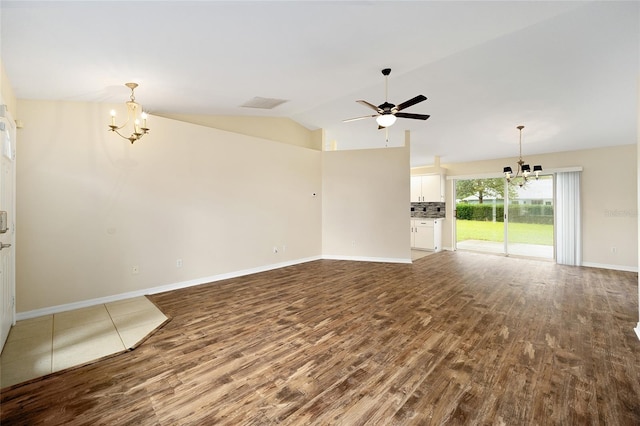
{"x": 178, "y": 263}
{"x": 135, "y": 270}
{"x": 275, "y": 250}
{"x": 614, "y": 250}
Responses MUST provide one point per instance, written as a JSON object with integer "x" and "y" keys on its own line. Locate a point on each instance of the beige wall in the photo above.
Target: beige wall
{"x": 6, "y": 91}
{"x": 609, "y": 199}
{"x": 277, "y": 129}
{"x": 91, "y": 205}
{"x": 366, "y": 201}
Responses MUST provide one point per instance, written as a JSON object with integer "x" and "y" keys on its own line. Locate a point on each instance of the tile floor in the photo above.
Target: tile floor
{"x": 51, "y": 343}
{"x": 417, "y": 254}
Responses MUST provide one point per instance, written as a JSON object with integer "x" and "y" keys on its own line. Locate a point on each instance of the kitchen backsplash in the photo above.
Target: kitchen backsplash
{"x": 431, "y": 210}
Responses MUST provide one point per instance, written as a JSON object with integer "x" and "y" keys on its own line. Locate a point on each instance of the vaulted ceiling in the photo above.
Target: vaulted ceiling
{"x": 568, "y": 71}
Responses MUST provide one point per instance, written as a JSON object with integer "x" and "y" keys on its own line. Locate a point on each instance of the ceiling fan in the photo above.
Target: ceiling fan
{"x": 388, "y": 112}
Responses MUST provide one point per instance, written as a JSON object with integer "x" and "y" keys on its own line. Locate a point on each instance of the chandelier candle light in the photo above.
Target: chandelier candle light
{"x": 523, "y": 169}
{"x": 135, "y": 114}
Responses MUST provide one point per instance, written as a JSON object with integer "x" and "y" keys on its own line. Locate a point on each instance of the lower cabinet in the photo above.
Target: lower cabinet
{"x": 426, "y": 234}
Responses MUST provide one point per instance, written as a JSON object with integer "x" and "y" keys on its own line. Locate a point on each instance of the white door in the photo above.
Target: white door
{"x": 7, "y": 229}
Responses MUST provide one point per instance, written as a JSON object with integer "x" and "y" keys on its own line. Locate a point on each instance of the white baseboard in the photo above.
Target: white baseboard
{"x": 637, "y": 330}
{"x": 161, "y": 289}
{"x": 205, "y": 280}
{"x": 615, "y": 267}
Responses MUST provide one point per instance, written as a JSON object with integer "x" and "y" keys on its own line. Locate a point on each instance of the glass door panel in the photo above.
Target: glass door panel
{"x": 480, "y": 215}
{"x": 529, "y": 223}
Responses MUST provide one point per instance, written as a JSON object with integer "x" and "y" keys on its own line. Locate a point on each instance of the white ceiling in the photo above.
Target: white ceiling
{"x": 568, "y": 71}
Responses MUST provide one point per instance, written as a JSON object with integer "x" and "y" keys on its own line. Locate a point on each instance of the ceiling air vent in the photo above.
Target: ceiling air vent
{"x": 263, "y": 103}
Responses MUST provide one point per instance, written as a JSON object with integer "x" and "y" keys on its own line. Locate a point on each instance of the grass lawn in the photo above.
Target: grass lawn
{"x": 494, "y": 231}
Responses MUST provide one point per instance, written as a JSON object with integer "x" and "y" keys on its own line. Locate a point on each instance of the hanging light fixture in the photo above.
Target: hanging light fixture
{"x": 523, "y": 170}
{"x": 135, "y": 115}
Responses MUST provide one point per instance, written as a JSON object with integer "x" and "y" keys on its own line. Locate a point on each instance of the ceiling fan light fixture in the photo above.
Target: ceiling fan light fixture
{"x": 386, "y": 120}
{"x": 387, "y": 113}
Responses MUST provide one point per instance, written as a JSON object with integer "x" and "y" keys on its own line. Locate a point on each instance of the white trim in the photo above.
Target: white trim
{"x": 614, "y": 267}
{"x": 206, "y": 280}
{"x": 476, "y": 176}
{"x": 161, "y": 289}
{"x": 564, "y": 169}
{"x": 366, "y": 259}
{"x": 190, "y": 283}
{"x": 637, "y": 330}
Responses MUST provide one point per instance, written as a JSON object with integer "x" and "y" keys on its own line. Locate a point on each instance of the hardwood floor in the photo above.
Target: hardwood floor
{"x": 455, "y": 338}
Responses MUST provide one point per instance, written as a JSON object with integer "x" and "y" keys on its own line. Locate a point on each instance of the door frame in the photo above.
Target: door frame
{"x": 8, "y": 306}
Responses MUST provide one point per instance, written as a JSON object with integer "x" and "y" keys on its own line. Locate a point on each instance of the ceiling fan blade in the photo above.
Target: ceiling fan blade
{"x": 414, "y": 116}
{"x": 359, "y": 118}
{"x": 370, "y": 105}
{"x": 411, "y": 102}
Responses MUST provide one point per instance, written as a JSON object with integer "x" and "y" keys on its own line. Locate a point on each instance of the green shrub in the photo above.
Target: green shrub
{"x": 481, "y": 212}
{"x": 464, "y": 211}
{"x": 527, "y": 213}
{"x": 518, "y": 213}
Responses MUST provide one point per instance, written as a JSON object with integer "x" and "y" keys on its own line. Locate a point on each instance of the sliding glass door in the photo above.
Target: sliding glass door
{"x": 495, "y": 217}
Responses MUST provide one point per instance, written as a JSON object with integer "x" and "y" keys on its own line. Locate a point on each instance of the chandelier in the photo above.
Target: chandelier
{"x": 135, "y": 115}
{"x": 523, "y": 170}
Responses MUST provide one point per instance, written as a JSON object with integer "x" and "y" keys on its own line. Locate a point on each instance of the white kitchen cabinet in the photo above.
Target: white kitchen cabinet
{"x": 422, "y": 234}
{"x": 427, "y": 188}
{"x": 426, "y": 234}
{"x": 416, "y": 189}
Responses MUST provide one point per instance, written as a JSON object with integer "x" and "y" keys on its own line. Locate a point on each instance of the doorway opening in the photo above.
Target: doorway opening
{"x": 494, "y": 216}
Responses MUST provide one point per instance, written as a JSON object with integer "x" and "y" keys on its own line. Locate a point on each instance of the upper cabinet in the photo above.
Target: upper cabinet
{"x": 416, "y": 189}
{"x": 427, "y": 188}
